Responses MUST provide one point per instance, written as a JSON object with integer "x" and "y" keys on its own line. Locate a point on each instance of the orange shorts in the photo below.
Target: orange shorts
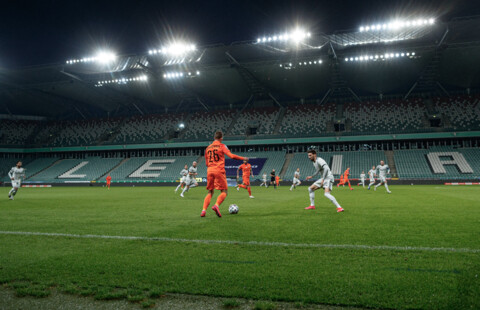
{"x": 216, "y": 180}
{"x": 246, "y": 181}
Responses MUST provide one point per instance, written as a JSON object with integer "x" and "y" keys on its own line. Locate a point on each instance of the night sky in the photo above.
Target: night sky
{"x": 52, "y": 31}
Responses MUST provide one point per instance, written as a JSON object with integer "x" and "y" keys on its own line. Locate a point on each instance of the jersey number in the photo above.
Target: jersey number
{"x": 213, "y": 156}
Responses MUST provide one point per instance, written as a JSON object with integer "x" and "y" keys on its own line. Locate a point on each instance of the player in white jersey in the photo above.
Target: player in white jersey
{"x": 383, "y": 170}
{"x": 191, "y": 180}
{"x": 16, "y": 174}
{"x": 183, "y": 177}
{"x": 371, "y": 176}
{"x": 264, "y": 180}
{"x": 296, "y": 179}
{"x": 362, "y": 179}
{"x": 326, "y": 180}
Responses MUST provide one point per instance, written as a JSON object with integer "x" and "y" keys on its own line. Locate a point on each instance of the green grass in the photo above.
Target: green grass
{"x": 142, "y": 270}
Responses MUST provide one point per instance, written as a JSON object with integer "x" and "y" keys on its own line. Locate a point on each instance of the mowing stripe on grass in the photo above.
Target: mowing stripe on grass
{"x": 256, "y": 243}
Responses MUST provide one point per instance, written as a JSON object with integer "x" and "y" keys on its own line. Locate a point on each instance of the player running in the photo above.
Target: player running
{"x": 277, "y": 180}
{"x": 264, "y": 180}
{"x": 16, "y": 174}
{"x": 183, "y": 179}
{"x": 371, "y": 175}
{"x": 383, "y": 170}
{"x": 326, "y": 181}
{"x": 362, "y": 179}
{"x": 296, "y": 179}
{"x": 216, "y": 175}
{"x": 191, "y": 180}
{"x": 246, "y": 171}
{"x": 345, "y": 179}
{"x": 109, "y": 181}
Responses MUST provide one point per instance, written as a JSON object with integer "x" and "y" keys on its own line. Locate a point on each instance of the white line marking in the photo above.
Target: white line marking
{"x": 255, "y": 243}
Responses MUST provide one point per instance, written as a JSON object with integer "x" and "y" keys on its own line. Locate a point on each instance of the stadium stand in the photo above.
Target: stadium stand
{"x": 126, "y": 171}
{"x": 16, "y": 132}
{"x": 415, "y": 164}
{"x": 463, "y": 112}
{"x": 389, "y": 116}
{"x": 90, "y": 169}
{"x": 262, "y": 118}
{"x": 357, "y": 161}
{"x": 147, "y": 129}
{"x": 84, "y": 132}
{"x": 307, "y": 120}
{"x": 202, "y": 125}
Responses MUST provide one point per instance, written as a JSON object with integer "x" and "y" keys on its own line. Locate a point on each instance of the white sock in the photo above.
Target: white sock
{"x": 291, "y": 187}
{"x": 194, "y": 185}
{"x": 378, "y": 185}
{"x": 312, "y": 196}
{"x": 11, "y": 191}
{"x": 178, "y": 186}
{"x": 185, "y": 189}
{"x": 386, "y": 186}
{"x": 332, "y": 199}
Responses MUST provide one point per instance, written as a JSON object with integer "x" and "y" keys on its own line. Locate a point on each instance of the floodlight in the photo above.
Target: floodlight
{"x": 198, "y": 72}
{"x": 362, "y": 29}
{"x": 105, "y": 57}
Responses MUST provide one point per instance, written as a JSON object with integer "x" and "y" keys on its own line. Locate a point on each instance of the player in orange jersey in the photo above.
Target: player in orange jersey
{"x": 109, "y": 180}
{"x": 246, "y": 172}
{"x": 277, "y": 180}
{"x": 216, "y": 175}
{"x": 345, "y": 179}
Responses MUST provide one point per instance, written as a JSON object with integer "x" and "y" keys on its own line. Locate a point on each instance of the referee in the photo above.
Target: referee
{"x": 272, "y": 179}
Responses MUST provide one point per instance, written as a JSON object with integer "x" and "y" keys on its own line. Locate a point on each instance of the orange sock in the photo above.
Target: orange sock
{"x": 207, "y": 200}
{"x": 249, "y": 191}
{"x": 242, "y": 186}
{"x": 349, "y": 185}
{"x": 221, "y": 198}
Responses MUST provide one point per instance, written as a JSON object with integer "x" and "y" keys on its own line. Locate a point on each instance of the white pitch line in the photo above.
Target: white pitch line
{"x": 255, "y": 243}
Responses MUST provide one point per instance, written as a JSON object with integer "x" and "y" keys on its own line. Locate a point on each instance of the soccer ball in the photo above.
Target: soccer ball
{"x": 233, "y": 209}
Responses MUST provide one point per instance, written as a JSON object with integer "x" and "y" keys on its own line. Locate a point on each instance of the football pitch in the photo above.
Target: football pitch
{"x": 418, "y": 247}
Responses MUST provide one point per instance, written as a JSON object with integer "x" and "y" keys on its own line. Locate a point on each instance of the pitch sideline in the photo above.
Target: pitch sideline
{"x": 254, "y": 243}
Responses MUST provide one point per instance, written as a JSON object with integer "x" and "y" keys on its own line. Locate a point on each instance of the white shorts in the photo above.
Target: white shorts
{"x": 372, "y": 181}
{"x": 16, "y": 184}
{"x": 327, "y": 183}
{"x": 264, "y": 180}
{"x": 296, "y": 181}
{"x": 382, "y": 179}
{"x": 190, "y": 182}
{"x": 183, "y": 179}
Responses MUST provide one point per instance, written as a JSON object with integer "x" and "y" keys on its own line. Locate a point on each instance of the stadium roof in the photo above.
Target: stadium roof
{"x": 443, "y": 57}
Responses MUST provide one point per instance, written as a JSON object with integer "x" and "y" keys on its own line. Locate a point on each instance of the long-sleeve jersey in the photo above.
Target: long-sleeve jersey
{"x": 322, "y": 168}
{"x": 16, "y": 173}
{"x": 184, "y": 172}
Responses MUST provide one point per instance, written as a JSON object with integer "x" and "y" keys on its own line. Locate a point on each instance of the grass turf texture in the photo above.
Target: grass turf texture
{"x": 142, "y": 270}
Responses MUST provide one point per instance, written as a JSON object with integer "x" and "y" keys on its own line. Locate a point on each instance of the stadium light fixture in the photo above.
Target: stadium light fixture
{"x": 175, "y": 50}
{"x": 104, "y": 57}
{"x": 179, "y": 75}
{"x": 378, "y": 57}
{"x": 398, "y": 24}
{"x": 310, "y": 62}
{"x": 298, "y": 35}
{"x": 122, "y": 81}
